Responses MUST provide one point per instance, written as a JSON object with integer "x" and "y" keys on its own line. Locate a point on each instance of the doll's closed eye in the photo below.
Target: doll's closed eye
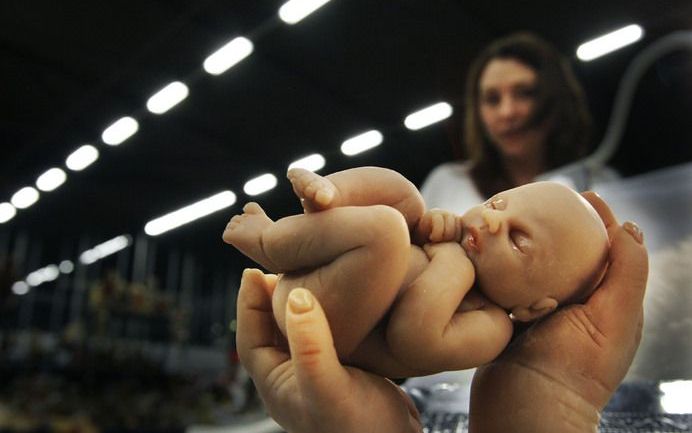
{"x": 520, "y": 240}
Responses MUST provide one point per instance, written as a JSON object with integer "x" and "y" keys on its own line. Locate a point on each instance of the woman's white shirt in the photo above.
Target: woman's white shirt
{"x": 449, "y": 185}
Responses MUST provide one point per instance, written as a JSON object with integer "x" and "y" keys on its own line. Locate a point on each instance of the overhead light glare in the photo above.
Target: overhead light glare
{"x": 294, "y": 11}
{"x": 105, "y": 249}
{"x": 676, "y": 396}
{"x": 43, "y": 275}
{"x": 20, "y": 288}
{"x": 82, "y": 158}
{"x": 66, "y": 267}
{"x": 362, "y": 142}
{"x": 428, "y": 116}
{"x": 228, "y": 55}
{"x": 260, "y": 184}
{"x": 7, "y": 212}
{"x": 24, "y": 198}
{"x": 51, "y": 179}
{"x": 312, "y": 162}
{"x": 610, "y": 42}
{"x": 168, "y": 97}
{"x": 189, "y": 213}
{"x": 119, "y": 131}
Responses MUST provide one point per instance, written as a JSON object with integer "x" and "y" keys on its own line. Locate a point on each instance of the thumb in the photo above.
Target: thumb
{"x": 321, "y": 378}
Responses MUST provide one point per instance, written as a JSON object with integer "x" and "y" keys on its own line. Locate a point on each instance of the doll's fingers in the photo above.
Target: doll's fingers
{"x": 618, "y": 301}
{"x": 424, "y": 223}
{"x": 460, "y": 228}
{"x": 438, "y": 227}
{"x": 450, "y": 226}
{"x": 601, "y": 208}
{"x": 321, "y": 378}
{"x": 256, "y": 334}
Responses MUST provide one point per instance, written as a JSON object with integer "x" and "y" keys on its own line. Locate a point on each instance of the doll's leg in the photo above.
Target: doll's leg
{"x": 308, "y": 241}
{"x": 362, "y": 186}
{"x": 353, "y": 259}
{"x": 244, "y": 231}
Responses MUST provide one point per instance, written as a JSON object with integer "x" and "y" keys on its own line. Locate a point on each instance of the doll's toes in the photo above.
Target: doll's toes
{"x": 253, "y": 208}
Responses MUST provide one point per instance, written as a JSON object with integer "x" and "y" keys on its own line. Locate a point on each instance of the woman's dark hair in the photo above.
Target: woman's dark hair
{"x": 559, "y": 100}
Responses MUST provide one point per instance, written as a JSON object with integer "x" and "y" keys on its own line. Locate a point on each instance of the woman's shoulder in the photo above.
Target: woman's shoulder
{"x": 458, "y": 170}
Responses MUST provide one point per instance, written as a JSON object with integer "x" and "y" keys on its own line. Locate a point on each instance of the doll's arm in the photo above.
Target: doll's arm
{"x": 437, "y": 225}
{"x": 431, "y": 329}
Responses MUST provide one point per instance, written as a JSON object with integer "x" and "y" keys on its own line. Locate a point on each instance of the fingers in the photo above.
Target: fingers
{"x": 320, "y": 376}
{"x": 601, "y": 208}
{"x": 256, "y": 334}
{"x": 445, "y": 226}
{"x": 617, "y": 303}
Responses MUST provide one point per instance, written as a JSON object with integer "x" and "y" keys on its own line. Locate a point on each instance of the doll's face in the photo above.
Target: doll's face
{"x": 540, "y": 239}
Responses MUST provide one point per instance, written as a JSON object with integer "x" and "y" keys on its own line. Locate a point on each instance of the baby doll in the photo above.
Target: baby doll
{"x": 398, "y": 284}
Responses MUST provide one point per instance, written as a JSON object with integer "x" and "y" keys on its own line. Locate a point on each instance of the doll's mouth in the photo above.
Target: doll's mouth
{"x": 471, "y": 241}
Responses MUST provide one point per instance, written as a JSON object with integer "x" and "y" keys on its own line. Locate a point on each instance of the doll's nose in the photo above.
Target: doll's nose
{"x": 492, "y": 220}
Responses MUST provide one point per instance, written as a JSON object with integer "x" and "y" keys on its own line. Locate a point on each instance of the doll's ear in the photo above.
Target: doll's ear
{"x": 538, "y": 309}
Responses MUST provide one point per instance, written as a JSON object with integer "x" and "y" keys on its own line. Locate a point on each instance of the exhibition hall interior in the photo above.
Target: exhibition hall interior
{"x": 133, "y": 131}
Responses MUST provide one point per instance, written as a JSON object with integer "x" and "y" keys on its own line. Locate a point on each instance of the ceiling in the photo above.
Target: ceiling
{"x": 70, "y": 68}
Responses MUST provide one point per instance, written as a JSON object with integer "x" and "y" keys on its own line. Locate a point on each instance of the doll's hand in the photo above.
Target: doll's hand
{"x": 303, "y": 386}
{"x": 560, "y": 373}
{"x": 438, "y": 225}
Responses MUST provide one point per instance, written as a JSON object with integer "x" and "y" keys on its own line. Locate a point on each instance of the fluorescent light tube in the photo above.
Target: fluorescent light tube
{"x": 260, "y": 184}
{"x": 609, "y": 42}
{"x": 119, "y": 131}
{"x": 7, "y": 212}
{"x": 228, "y": 55}
{"x": 43, "y": 275}
{"x": 66, "y": 267}
{"x": 189, "y": 213}
{"x": 82, "y": 158}
{"x": 24, "y": 198}
{"x": 362, "y": 142}
{"x": 294, "y": 11}
{"x": 20, "y": 288}
{"x": 167, "y": 98}
{"x": 312, "y": 162}
{"x": 427, "y": 116}
{"x": 105, "y": 249}
{"x": 51, "y": 179}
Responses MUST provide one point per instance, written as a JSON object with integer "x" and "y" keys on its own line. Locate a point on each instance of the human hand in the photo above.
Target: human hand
{"x": 438, "y": 225}
{"x": 301, "y": 382}
{"x": 560, "y": 373}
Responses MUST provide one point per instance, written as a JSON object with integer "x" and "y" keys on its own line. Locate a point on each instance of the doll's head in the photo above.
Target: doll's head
{"x": 535, "y": 247}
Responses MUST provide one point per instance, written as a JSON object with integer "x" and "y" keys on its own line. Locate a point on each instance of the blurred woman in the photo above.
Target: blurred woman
{"x": 526, "y": 114}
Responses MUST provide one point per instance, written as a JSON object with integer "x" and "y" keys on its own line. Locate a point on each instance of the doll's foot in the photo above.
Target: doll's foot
{"x": 315, "y": 192}
{"x": 245, "y": 233}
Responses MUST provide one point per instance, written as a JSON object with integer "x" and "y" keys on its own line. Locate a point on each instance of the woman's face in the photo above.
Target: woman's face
{"x": 507, "y": 98}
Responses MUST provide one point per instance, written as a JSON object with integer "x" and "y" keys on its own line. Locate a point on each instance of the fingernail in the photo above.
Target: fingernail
{"x": 248, "y": 271}
{"x": 300, "y": 301}
{"x": 634, "y": 230}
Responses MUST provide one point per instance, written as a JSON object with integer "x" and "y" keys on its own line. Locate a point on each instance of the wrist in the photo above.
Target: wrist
{"x": 507, "y": 396}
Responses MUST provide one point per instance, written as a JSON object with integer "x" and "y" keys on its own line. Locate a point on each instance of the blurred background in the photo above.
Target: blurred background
{"x": 113, "y": 320}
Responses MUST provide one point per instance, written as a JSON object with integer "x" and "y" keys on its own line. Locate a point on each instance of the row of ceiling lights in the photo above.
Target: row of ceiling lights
{"x": 172, "y": 94}
{"x": 218, "y": 62}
